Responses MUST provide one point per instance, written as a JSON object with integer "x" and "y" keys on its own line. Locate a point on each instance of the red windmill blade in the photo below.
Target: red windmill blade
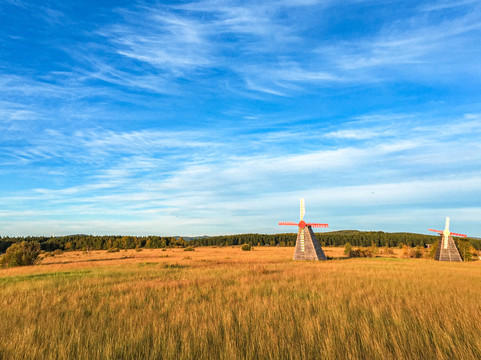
{"x": 451, "y": 233}
{"x": 302, "y": 224}
{"x": 446, "y": 230}
{"x": 317, "y": 225}
{"x": 287, "y": 223}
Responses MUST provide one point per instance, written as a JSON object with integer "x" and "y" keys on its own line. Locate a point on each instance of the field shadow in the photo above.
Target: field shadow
{"x": 338, "y": 258}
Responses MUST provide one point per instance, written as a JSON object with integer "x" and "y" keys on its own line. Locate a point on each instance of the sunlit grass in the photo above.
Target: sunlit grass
{"x": 228, "y": 304}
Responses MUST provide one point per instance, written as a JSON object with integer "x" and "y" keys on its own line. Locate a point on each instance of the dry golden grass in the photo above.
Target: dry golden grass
{"x": 223, "y": 303}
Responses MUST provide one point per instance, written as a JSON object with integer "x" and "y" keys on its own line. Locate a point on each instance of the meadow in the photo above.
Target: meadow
{"x": 224, "y": 303}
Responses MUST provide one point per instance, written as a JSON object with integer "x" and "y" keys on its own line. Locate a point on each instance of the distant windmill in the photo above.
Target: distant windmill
{"x": 307, "y": 245}
{"x": 447, "y": 250}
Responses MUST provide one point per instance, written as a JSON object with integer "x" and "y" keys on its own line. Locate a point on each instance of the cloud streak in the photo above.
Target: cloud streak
{"x": 141, "y": 180}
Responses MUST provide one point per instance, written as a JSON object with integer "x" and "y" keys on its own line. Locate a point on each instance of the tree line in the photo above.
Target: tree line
{"x": 334, "y": 238}
{"x": 92, "y": 242}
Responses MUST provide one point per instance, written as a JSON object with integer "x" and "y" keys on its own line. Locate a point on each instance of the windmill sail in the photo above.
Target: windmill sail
{"x": 447, "y": 249}
{"x": 307, "y": 245}
{"x": 303, "y": 209}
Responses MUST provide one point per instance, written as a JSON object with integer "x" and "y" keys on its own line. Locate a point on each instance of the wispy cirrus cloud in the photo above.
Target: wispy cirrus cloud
{"x": 145, "y": 181}
{"x": 94, "y": 146}
{"x": 172, "y": 40}
{"x": 261, "y": 48}
{"x": 13, "y": 112}
{"x": 355, "y": 134}
{"x": 413, "y": 46}
{"x": 446, "y": 4}
{"x": 164, "y": 40}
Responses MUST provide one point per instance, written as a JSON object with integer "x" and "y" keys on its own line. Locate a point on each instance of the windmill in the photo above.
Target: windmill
{"x": 447, "y": 250}
{"x": 307, "y": 245}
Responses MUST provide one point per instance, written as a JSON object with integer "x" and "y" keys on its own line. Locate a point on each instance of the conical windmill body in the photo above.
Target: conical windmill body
{"x": 307, "y": 245}
{"x": 447, "y": 250}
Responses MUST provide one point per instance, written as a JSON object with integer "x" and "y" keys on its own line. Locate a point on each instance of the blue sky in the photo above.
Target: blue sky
{"x": 215, "y": 117}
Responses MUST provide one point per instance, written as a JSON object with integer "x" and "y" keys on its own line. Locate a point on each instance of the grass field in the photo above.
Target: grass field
{"x": 223, "y": 303}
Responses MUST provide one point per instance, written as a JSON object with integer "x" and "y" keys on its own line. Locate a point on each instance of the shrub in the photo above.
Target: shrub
{"x": 246, "y": 247}
{"x": 409, "y": 252}
{"x": 405, "y": 251}
{"x": 21, "y": 254}
{"x": 112, "y": 249}
{"x": 467, "y": 251}
{"x": 189, "y": 248}
{"x": 387, "y": 251}
{"x": 431, "y": 253}
{"x": 360, "y": 253}
{"x": 347, "y": 248}
{"x": 416, "y": 252}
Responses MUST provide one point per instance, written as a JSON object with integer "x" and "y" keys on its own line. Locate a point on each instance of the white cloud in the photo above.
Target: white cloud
{"x": 167, "y": 41}
{"x": 419, "y": 46}
{"x": 259, "y": 47}
{"x": 448, "y": 4}
{"x": 217, "y": 182}
{"x": 354, "y": 134}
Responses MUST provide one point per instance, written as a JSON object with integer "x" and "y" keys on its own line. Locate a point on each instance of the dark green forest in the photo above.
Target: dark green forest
{"x": 335, "y": 238}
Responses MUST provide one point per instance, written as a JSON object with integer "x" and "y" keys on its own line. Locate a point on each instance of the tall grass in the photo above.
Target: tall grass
{"x": 229, "y": 304}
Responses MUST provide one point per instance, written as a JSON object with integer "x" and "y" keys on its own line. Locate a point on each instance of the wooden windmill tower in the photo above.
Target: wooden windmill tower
{"x": 447, "y": 250}
{"x": 307, "y": 245}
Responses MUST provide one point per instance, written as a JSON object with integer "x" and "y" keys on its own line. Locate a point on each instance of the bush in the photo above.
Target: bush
{"x": 409, "y": 252}
{"x": 347, "y": 248}
{"x": 467, "y": 251}
{"x": 189, "y": 248}
{"x": 387, "y": 251}
{"x": 417, "y": 252}
{"x": 246, "y": 247}
{"x": 21, "y": 254}
{"x": 432, "y": 250}
{"x": 112, "y": 249}
{"x": 361, "y": 253}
